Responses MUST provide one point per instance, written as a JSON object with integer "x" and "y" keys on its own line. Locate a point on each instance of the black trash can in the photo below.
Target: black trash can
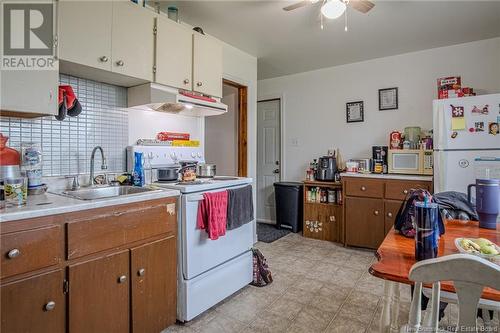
{"x": 289, "y": 206}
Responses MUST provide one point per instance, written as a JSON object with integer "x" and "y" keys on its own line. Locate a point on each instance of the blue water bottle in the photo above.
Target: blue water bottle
{"x": 426, "y": 230}
{"x": 138, "y": 170}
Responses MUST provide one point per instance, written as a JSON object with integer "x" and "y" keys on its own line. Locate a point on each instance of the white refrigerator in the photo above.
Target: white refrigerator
{"x": 466, "y": 141}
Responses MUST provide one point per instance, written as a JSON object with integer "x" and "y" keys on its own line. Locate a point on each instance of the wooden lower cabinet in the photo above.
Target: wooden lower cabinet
{"x": 365, "y": 224}
{"x": 323, "y": 221}
{"x": 99, "y": 295}
{"x": 34, "y": 304}
{"x": 154, "y": 281}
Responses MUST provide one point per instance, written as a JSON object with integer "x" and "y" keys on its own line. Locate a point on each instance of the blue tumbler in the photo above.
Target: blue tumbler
{"x": 426, "y": 230}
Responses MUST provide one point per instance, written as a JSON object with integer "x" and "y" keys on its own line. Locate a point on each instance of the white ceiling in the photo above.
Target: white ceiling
{"x": 292, "y": 42}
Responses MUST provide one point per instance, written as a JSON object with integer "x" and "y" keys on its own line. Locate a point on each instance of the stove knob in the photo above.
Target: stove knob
{"x": 193, "y": 155}
{"x": 199, "y": 155}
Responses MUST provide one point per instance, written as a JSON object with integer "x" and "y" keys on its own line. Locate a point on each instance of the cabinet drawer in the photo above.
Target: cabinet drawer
{"x": 397, "y": 190}
{"x": 370, "y": 188}
{"x": 112, "y": 229}
{"x": 29, "y": 250}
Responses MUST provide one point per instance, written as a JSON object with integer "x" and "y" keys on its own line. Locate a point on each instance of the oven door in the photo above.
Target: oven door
{"x": 200, "y": 253}
{"x": 405, "y": 161}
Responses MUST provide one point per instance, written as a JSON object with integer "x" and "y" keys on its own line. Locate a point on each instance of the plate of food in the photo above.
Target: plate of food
{"x": 480, "y": 247}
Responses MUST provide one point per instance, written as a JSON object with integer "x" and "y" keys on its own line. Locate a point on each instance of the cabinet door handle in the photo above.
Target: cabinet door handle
{"x": 405, "y": 191}
{"x": 14, "y": 253}
{"x": 186, "y": 81}
{"x": 199, "y": 84}
{"x": 122, "y": 279}
{"x": 104, "y": 59}
{"x": 51, "y": 305}
{"x": 376, "y": 213}
{"x": 389, "y": 214}
{"x": 363, "y": 188}
{"x": 141, "y": 272}
{"x": 120, "y": 63}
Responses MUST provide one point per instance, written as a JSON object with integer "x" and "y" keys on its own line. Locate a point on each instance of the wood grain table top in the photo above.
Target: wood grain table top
{"x": 396, "y": 254}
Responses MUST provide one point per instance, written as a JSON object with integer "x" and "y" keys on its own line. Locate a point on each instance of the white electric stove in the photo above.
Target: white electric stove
{"x": 208, "y": 270}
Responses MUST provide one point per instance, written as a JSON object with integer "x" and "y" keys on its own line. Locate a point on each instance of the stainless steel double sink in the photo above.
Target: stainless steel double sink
{"x": 103, "y": 192}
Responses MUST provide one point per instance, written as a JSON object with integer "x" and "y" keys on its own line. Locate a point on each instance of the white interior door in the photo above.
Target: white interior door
{"x": 268, "y": 157}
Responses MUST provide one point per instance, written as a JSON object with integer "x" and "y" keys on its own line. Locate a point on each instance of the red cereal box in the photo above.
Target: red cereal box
{"x": 448, "y": 83}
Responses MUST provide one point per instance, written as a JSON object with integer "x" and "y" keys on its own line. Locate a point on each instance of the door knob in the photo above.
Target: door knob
{"x": 122, "y": 279}
{"x": 389, "y": 214}
{"x": 186, "y": 81}
{"x": 14, "y": 253}
{"x": 276, "y": 171}
{"x": 104, "y": 59}
{"x": 120, "y": 63}
{"x": 141, "y": 272}
{"x": 199, "y": 84}
{"x": 50, "y": 306}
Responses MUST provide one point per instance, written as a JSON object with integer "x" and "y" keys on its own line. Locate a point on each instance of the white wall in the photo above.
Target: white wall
{"x": 221, "y": 135}
{"x": 314, "y": 102}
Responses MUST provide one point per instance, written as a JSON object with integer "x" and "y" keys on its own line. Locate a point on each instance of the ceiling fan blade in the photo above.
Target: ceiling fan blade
{"x": 297, "y": 5}
{"x": 362, "y": 6}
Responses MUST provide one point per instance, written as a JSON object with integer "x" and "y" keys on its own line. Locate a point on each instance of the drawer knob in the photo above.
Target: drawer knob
{"x": 363, "y": 188}
{"x": 405, "y": 191}
{"x": 186, "y": 81}
{"x": 199, "y": 84}
{"x": 141, "y": 272}
{"x": 389, "y": 214}
{"x": 50, "y": 306}
{"x": 376, "y": 212}
{"x": 14, "y": 253}
{"x": 122, "y": 279}
{"x": 104, "y": 59}
{"x": 332, "y": 218}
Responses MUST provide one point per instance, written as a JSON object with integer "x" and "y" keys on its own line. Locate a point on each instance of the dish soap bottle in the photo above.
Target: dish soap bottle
{"x": 138, "y": 170}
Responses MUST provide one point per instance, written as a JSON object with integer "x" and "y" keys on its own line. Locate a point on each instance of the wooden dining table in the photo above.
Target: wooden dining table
{"x": 396, "y": 256}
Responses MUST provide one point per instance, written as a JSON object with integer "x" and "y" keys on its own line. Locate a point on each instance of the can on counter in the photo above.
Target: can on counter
{"x": 395, "y": 140}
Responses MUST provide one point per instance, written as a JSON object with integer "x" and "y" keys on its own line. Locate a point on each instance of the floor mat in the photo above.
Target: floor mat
{"x": 268, "y": 233}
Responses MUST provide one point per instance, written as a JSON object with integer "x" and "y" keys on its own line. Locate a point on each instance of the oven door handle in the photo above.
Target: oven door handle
{"x": 195, "y": 198}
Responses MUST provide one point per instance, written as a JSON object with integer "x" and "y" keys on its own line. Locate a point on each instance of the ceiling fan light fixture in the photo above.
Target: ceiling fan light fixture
{"x": 332, "y": 9}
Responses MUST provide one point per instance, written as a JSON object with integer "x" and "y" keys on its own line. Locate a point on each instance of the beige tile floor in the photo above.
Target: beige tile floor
{"x": 318, "y": 287}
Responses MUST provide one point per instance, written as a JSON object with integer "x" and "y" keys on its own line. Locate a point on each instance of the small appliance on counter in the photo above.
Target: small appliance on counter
{"x": 327, "y": 168}
{"x": 364, "y": 164}
{"x": 379, "y": 159}
{"x": 411, "y": 161}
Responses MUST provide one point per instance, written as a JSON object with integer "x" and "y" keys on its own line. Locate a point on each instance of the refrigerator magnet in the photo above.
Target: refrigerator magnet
{"x": 479, "y": 126}
{"x": 454, "y": 135}
{"x": 493, "y": 128}
{"x": 481, "y": 110}
{"x": 457, "y": 111}
{"x": 458, "y": 124}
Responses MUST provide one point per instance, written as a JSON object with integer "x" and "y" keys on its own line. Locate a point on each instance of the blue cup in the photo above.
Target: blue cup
{"x": 426, "y": 230}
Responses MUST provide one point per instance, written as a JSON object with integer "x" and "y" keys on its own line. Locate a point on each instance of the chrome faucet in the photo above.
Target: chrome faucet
{"x": 103, "y": 165}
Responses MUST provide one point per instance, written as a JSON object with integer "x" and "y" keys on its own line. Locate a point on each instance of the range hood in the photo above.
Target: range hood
{"x": 157, "y": 97}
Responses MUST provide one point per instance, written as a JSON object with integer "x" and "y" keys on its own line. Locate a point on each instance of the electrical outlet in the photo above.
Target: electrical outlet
{"x": 295, "y": 142}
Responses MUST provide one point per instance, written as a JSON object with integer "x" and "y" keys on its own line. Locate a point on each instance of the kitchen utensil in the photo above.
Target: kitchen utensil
{"x": 426, "y": 230}
{"x": 487, "y": 201}
{"x": 206, "y": 170}
{"x": 170, "y": 173}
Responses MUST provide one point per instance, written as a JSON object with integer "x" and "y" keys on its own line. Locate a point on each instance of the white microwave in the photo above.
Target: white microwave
{"x": 410, "y": 161}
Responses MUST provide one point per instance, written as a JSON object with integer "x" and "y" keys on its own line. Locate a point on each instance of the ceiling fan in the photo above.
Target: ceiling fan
{"x": 333, "y": 9}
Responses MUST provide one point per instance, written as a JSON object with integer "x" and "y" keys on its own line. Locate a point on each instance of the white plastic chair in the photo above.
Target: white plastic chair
{"x": 470, "y": 274}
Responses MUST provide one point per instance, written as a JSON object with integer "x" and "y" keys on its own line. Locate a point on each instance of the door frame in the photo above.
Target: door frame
{"x": 242, "y": 125}
{"x": 281, "y": 98}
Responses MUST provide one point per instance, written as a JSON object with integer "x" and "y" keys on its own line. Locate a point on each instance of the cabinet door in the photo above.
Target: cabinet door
{"x": 29, "y": 93}
{"x": 174, "y": 54}
{"x": 364, "y": 222}
{"x": 154, "y": 285}
{"x": 332, "y": 221}
{"x": 133, "y": 40}
{"x": 391, "y": 209}
{"x": 313, "y": 224}
{"x": 99, "y": 295}
{"x": 34, "y": 302}
{"x": 207, "y": 65}
{"x": 85, "y": 32}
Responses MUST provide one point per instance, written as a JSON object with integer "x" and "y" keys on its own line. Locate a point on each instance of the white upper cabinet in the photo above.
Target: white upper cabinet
{"x": 174, "y": 54}
{"x": 132, "y": 40}
{"x": 85, "y": 32}
{"x": 207, "y": 65}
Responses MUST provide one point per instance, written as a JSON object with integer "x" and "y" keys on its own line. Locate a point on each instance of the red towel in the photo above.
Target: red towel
{"x": 212, "y": 214}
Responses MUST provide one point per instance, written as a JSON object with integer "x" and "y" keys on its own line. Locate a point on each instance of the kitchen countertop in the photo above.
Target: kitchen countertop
{"x": 388, "y": 176}
{"x": 52, "y": 204}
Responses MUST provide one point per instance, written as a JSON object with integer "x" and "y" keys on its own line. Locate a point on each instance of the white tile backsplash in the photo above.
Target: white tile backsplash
{"x": 67, "y": 144}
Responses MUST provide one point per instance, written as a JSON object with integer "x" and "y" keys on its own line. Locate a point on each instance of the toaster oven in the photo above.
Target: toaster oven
{"x": 410, "y": 161}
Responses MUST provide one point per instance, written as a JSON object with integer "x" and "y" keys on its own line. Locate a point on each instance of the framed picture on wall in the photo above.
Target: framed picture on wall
{"x": 355, "y": 112}
{"x": 388, "y": 99}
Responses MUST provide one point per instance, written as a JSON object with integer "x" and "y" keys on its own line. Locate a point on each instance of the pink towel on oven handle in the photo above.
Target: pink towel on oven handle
{"x": 212, "y": 214}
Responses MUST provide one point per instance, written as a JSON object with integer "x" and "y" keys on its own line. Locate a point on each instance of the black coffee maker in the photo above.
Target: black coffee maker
{"x": 327, "y": 168}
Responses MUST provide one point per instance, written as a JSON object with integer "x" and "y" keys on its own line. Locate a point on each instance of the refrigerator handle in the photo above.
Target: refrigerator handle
{"x": 469, "y": 188}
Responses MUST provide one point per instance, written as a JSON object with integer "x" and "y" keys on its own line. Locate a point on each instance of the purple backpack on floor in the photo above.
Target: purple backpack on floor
{"x": 261, "y": 273}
